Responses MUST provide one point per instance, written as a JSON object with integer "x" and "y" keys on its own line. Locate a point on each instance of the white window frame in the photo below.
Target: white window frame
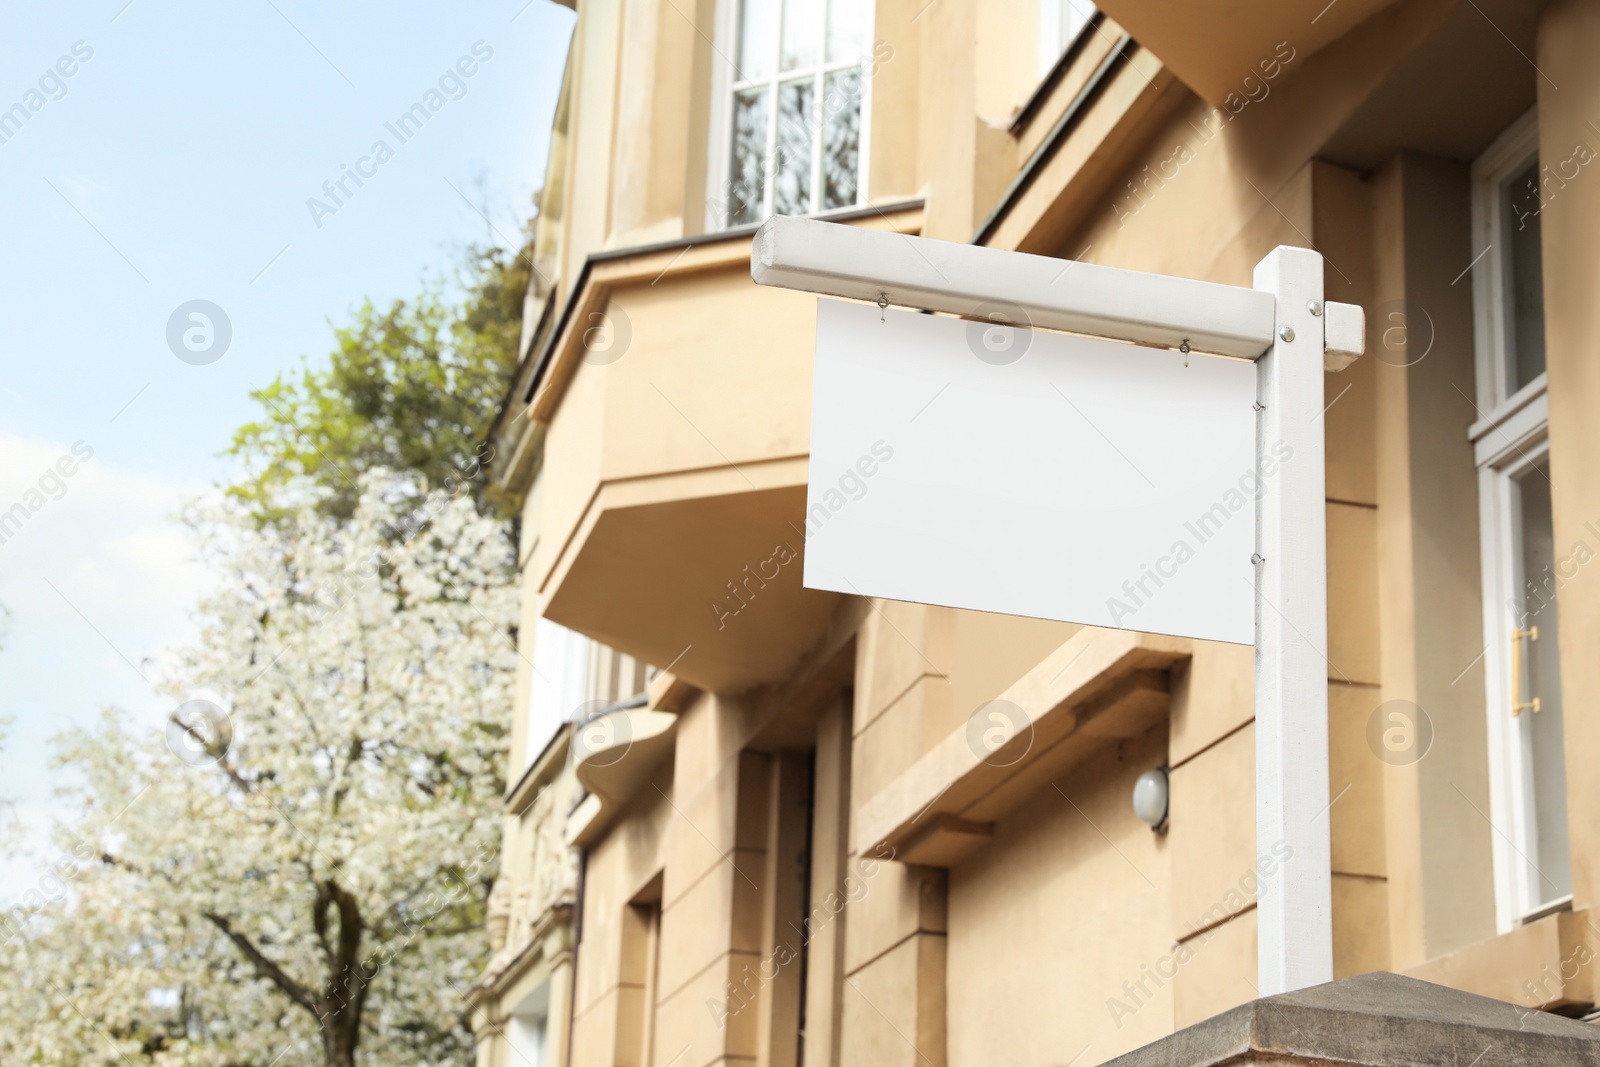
{"x": 1511, "y": 798}
{"x": 559, "y": 684}
{"x": 1054, "y": 40}
{"x": 528, "y": 1028}
{"x": 1509, "y": 438}
{"x": 1491, "y": 284}
{"x": 719, "y": 162}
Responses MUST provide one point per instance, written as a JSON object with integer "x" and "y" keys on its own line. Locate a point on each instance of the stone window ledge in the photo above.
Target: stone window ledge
{"x": 1546, "y": 964}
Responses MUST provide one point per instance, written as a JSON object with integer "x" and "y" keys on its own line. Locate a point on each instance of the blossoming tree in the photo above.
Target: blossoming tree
{"x": 296, "y": 872}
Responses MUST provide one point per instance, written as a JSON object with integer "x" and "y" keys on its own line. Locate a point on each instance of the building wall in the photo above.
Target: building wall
{"x": 1573, "y": 330}
{"x": 758, "y": 884}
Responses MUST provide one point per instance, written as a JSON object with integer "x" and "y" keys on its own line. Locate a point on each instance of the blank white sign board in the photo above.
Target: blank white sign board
{"x": 943, "y": 470}
{"x": 1031, "y": 473}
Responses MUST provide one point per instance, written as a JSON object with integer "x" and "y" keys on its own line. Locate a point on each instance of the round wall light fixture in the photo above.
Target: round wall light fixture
{"x": 1150, "y": 798}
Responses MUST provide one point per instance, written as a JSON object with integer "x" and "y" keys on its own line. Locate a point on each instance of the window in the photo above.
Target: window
{"x": 793, "y": 109}
{"x": 560, "y": 682}
{"x": 1060, "y": 22}
{"x": 573, "y": 678}
{"x": 1520, "y": 570}
{"x": 528, "y": 1029}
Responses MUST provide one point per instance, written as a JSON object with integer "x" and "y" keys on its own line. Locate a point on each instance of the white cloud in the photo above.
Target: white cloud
{"x": 102, "y": 573}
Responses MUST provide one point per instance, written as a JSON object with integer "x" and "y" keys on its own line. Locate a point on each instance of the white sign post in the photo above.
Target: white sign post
{"x": 989, "y": 465}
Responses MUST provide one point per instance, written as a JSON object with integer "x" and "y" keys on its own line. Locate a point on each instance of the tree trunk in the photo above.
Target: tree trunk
{"x": 338, "y": 1046}
{"x": 344, "y": 995}
{"x": 345, "y": 992}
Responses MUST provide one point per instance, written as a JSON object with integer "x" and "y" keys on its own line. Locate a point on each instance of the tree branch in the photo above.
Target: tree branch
{"x": 265, "y": 968}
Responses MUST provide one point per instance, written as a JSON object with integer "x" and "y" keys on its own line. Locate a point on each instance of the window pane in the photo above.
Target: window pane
{"x": 802, "y": 33}
{"x": 756, "y": 29}
{"x": 849, "y": 28}
{"x": 1543, "y": 753}
{"x": 791, "y": 180}
{"x": 1526, "y": 274}
{"x": 527, "y": 1038}
{"x": 841, "y": 139}
{"x": 1074, "y": 18}
{"x": 560, "y": 673}
{"x": 748, "y": 178}
{"x": 1060, "y": 22}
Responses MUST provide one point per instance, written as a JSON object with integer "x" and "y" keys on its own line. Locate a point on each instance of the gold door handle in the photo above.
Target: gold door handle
{"x": 1518, "y": 705}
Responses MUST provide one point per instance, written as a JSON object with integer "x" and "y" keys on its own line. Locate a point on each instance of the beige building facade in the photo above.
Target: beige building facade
{"x": 754, "y": 822}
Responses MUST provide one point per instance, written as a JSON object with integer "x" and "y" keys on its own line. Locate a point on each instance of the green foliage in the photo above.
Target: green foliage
{"x": 411, "y": 387}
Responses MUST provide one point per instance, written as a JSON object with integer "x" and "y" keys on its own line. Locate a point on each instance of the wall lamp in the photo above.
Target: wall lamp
{"x": 1150, "y": 799}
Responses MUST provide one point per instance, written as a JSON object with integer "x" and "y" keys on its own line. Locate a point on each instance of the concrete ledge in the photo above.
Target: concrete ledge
{"x": 1542, "y": 964}
{"x": 1376, "y": 1020}
{"x": 668, "y": 692}
{"x": 615, "y": 753}
{"x": 1097, "y": 688}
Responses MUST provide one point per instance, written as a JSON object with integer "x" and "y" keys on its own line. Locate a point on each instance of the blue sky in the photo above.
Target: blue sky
{"x": 173, "y": 164}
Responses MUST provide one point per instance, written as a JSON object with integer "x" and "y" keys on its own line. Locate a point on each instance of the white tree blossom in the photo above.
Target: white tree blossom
{"x": 296, "y": 873}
